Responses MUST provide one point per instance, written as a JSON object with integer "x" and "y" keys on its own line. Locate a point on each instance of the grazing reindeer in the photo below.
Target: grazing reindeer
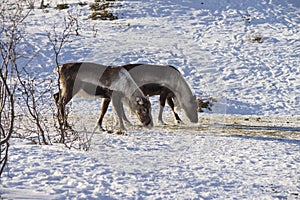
{"x": 165, "y": 94}
{"x": 150, "y": 90}
{"x": 102, "y": 81}
{"x": 165, "y": 81}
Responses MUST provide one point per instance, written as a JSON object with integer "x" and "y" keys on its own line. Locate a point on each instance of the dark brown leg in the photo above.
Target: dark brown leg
{"x": 171, "y": 104}
{"x": 61, "y": 101}
{"x": 104, "y": 107}
{"x": 56, "y": 98}
{"x": 162, "y": 102}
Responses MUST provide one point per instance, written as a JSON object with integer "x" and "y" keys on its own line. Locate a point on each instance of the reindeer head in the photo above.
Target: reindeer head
{"x": 190, "y": 108}
{"x": 142, "y": 108}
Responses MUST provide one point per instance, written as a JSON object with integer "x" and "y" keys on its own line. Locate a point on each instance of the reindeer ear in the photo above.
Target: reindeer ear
{"x": 139, "y": 100}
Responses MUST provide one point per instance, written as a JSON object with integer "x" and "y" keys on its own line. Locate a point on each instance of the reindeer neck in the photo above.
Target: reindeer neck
{"x": 179, "y": 86}
{"x": 127, "y": 85}
{"x": 185, "y": 89}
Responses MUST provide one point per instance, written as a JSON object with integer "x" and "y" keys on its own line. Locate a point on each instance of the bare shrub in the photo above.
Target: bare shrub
{"x": 12, "y": 15}
{"x": 33, "y": 94}
{"x": 70, "y": 137}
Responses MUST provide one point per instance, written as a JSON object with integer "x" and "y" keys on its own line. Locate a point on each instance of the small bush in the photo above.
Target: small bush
{"x": 257, "y": 38}
{"x": 98, "y": 6}
{"x": 101, "y": 11}
{"x": 82, "y": 3}
{"x": 62, "y": 6}
{"x": 103, "y": 15}
{"x": 205, "y": 103}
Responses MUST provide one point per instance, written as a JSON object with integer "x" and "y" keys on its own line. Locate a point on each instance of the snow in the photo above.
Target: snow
{"x": 210, "y": 43}
{"x": 155, "y": 164}
{"x": 248, "y": 147}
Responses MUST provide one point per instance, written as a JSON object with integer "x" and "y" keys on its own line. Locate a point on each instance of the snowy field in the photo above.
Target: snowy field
{"x": 244, "y": 54}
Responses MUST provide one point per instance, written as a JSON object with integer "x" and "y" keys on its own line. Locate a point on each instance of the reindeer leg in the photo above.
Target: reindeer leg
{"x": 118, "y": 107}
{"x": 162, "y": 102}
{"x": 104, "y": 107}
{"x": 124, "y": 100}
{"x": 56, "y": 99}
{"x": 60, "y": 109}
{"x": 125, "y": 118}
{"x": 171, "y": 104}
{"x": 61, "y": 100}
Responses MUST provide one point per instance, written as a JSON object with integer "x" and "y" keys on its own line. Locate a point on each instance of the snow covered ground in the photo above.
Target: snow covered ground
{"x": 245, "y": 54}
{"x": 158, "y": 164}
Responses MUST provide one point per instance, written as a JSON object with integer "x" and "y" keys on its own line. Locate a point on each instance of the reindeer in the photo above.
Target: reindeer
{"x": 89, "y": 79}
{"x": 150, "y": 90}
{"x": 165, "y": 81}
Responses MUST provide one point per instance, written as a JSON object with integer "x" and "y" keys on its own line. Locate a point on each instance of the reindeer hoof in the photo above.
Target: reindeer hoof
{"x": 102, "y": 129}
{"x": 128, "y": 123}
{"x": 68, "y": 127}
{"x": 121, "y": 132}
{"x": 162, "y": 123}
{"x": 99, "y": 128}
{"x": 179, "y": 122}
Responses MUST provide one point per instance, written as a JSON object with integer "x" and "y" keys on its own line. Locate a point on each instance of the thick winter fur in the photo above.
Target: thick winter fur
{"x": 165, "y": 81}
{"x": 170, "y": 78}
{"x": 102, "y": 81}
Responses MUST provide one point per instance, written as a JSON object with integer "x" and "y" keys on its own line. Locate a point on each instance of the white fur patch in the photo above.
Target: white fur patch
{"x": 176, "y": 109}
{"x": 56, "y": 69}
{"x": 121, "y": 83}
{"x": 126, "y": 84}
{"x": 83, "y": 93}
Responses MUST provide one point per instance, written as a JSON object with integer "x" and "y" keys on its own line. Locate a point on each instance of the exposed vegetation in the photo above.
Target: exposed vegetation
{"x": 62, "y": 6}
{"x": 205, "y": 103}
{"x": 82, "y": 3}
{"x": 100, "y": 6}
{"x": 11, "y": 32}
{"x": 257, "y": 38}
{"x": 103, "y": 15}
{"x": 23, "y": 113}
{"x": 101, "y": 11}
